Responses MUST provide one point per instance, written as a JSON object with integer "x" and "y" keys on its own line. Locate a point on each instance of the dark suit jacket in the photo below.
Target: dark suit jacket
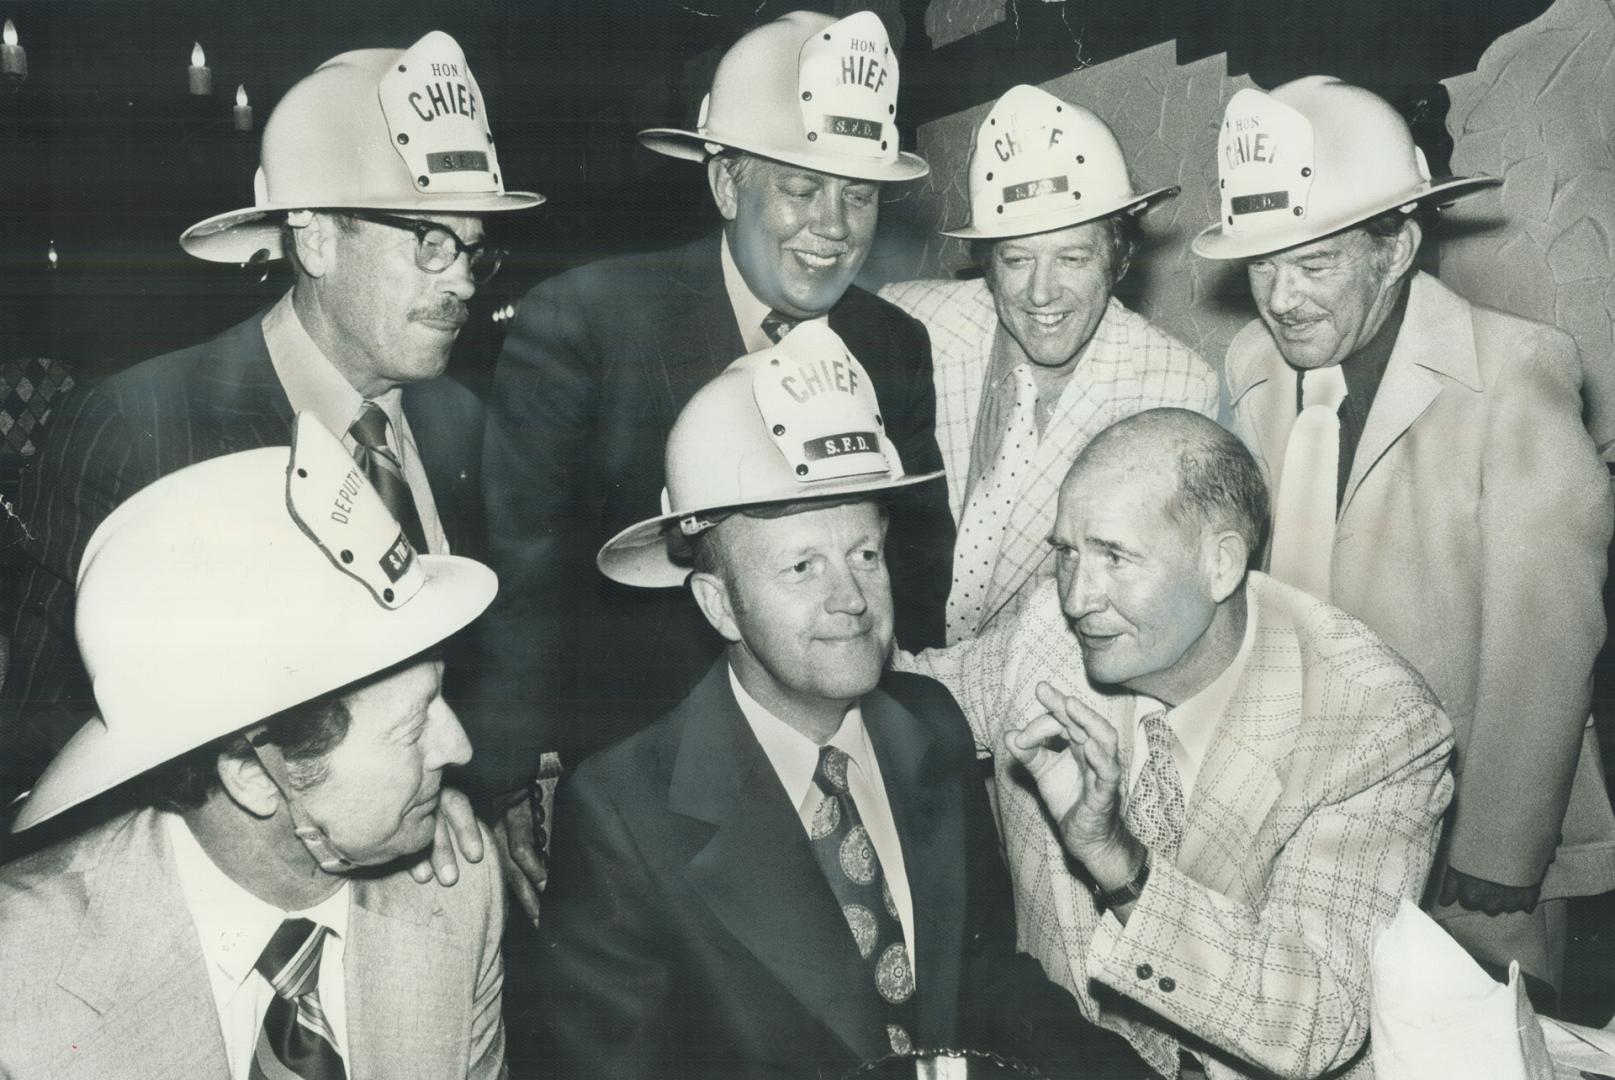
{"x": 688, "y": 930}
{"x": 109, "y": 441}
{"x": 595, "y": 368}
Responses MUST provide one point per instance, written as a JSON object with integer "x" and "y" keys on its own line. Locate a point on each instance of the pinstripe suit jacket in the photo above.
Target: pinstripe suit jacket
{"x": 1130, "y": 366}
{"x": 109, "y": 441}
{"x": 103, "y": 976}
{"x": 1315, "y": 811}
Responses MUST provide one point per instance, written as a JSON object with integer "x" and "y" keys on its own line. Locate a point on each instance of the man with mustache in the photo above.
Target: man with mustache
{"x": 796, "y": 136}
{"x": 1434, "y": 478}
{"x": 1212, "y": 787}
{"x": 375, "y": 173}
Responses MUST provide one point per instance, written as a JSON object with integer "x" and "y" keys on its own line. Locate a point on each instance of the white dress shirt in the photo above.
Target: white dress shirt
{"x": 1194, "y": 722}
{"x": 234, "y": 926}
{"x": 749, "y": 311}
{"x": 313, "y": 384}
{"x": 795, "y": 758}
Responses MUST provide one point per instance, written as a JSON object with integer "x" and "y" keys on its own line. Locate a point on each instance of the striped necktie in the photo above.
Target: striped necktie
{"x": 776, "y": 326}
{"x": 296, "y": 1042}
{"x": 849, "y": 863}
{"x": 385, "y": 473}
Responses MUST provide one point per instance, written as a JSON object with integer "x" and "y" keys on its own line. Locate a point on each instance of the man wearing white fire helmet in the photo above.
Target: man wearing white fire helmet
{"x": 263, "y": 641}
{"x": 1433, "y": 477}
{"x": 797, "y": 136}
{"x": 376, "y": 171}
{"x": 1036, "y": 357}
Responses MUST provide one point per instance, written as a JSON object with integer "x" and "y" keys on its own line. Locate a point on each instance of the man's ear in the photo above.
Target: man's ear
{"x": 712, "y": 596}
{"x": 316, "y": 244}
{"x": 1405, "y": 248}
{"x": 1227, "y": 559}
{"x": 725, "y": 192}
{"x": 247, "y": 784}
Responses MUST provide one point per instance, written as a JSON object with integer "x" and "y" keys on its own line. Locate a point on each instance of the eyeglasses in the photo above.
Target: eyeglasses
{"x": 436, "y": 246}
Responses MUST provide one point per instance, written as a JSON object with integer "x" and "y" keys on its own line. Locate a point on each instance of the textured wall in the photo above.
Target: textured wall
{"x": 1166, "y": 118}
{"x": 946, "y": 21}
{"x": 1540, "y": 113}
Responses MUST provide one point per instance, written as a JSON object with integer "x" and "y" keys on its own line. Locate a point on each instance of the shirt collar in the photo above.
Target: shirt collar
{"x": 749, "y": 311}
{"x": 312, "y": 383}
{"x": 234, "y": 925}
{"x": 794, "y": 756}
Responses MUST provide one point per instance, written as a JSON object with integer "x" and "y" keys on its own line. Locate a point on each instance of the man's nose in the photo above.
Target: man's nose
{"x": 448, "y": 744}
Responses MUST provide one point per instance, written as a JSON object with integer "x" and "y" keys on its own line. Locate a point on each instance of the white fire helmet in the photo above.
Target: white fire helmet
{"x": 1311, "y": 158}
{"x": 793, "y": 422}
{"x": 377, "y": 129}
{"x": 1041, "y": 164}
{"x": 808, "y": 90}
{"x": 236, "y": 588}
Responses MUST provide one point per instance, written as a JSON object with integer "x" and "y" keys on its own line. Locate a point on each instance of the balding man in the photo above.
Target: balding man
{"x": 1243, "y": 781}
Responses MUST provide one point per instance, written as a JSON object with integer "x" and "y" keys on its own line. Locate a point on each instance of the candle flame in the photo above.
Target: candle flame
{"x": 10, "y": 34}
{"x": 51, "y": 254}
{"x": 198, "y": 57}
{"x": 241, "y": 97}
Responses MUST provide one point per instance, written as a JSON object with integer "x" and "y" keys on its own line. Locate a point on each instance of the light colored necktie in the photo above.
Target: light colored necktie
{"x": 296, "y": 1042}
{"x": 985, "y": 515}
{"x": 1304, "y": 514}
{"x": 1155, "y": 807}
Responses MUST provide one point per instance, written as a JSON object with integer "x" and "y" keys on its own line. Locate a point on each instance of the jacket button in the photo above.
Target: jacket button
{"x": 1167, "y": 984}
{"x": 1145, "y": 971}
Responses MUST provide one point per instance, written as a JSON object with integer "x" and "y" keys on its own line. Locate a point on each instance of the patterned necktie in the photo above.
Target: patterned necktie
{"x": 986, "y": 512}
{"x": 296, "y": 1042}
{"x": 1304, "y": 513}
{"x": 1155, "y": 809}
{"x": 848, "y": 860}
{"x": 776, "y": 326}
{"x": 382, "y": 469}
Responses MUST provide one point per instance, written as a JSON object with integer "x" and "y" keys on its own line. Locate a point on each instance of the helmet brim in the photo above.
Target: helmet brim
{"x": 1064, "y": 219}
{"x": 98, "y": 757}
{"x": 639, "y": 556}
{"x": 238, "y": 236}
{"x": 693, "y": 146}
{"x": 1212, "y": 243}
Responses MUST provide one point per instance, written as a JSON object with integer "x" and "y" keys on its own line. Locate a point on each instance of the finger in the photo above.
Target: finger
{"x": 1037, "y": 733}
{"x": 445, "y": 867}
{"x": 529, "y": 860}
{"x": 526, "y": 895}
{"x": 454, "y": 807}
{"x": 1102, "y": 762}
{"x": 1079, "y": 720}
{"x": 422, "y": 872}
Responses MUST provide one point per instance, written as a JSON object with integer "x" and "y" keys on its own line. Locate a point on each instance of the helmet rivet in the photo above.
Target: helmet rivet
{"x": 1059, "y": 108}
{"x": 387, "y": 595}
{"x": 347, "y": 556}
{"x": 422, "y": 181}
{"x": 774, "y": 362}
{"x": 1000, "y": 209}
{"x": 827, "y": 37}
{"x": 891, "y": 110}
{"x": 1081, "y": 160}
{"x": 1306, "y": 172}
{"x": 883, "y": 144}
{"x": 403, "y": 139}
{"x": 779, "y": 429}
{"x": 989, "y": 177}
{"x": 993, "y": 120}
{"x": 496, "y": 178}
{"x": 1230, "y": 219}
{"x": 1222, "y": 183}
{"x": 813, "y": 136}
{"x": 801, "y": 470}
{"x": 401, "y": 67}
{"x": 302, "y": 474}
{"x": 878, "y": 421}
{"x": 1076, "y": 195}
{"x": 1298, "y": 211}
{"x": 807, "y": 95}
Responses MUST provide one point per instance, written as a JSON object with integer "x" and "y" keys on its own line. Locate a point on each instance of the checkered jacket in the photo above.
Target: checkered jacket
{"x": 1314, "y": 813}
{"x": 1130, "y": 366}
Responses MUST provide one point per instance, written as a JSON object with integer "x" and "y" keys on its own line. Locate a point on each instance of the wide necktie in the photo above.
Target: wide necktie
{"x": 296, "y": 1042}
{"x": 776, "y": 325}
{"x": 986, "y": 513}
{"x": 1155, "y": 807}
{"x": 850, "y": 865}
{"x": 1304, "y": 513}
{"x": 382, "y": 469}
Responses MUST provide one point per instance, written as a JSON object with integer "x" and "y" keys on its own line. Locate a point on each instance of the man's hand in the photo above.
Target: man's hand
{"x": 521, "y": 854}
{"x": 1071, "y": 753}
{"x": 456, "y": 829}
{"x": 1478, "y": 894}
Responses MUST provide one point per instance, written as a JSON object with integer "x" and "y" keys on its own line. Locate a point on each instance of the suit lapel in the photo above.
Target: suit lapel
{"x": 396, "y": 944}
{"x": 930, "y": 819}
{"x": 137, "y": 961}
{"x": 240, "y": 402}
{"x": 698, "y": 311}
{"x": 757, "y": 873}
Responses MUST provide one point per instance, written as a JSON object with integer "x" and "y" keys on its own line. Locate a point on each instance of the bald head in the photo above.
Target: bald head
{"x": 1218, "y": 486}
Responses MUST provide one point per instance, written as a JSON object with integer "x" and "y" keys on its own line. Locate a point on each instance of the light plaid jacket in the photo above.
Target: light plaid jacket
{"x": 1130, "y": 366}
{"x": 1316, "y": 810}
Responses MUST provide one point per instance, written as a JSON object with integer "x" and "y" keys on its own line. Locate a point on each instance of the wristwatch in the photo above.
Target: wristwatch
{"x": 1125, "y": 894}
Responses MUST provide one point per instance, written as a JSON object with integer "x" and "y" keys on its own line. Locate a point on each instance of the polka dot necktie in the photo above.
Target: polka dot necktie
{"x": 1155, "y": 809}
{"x": 776, "y": 326}
{"x": 381, "y": 467}
{"x": 296, "y": 1042}
{"x": 848, "y": 860}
